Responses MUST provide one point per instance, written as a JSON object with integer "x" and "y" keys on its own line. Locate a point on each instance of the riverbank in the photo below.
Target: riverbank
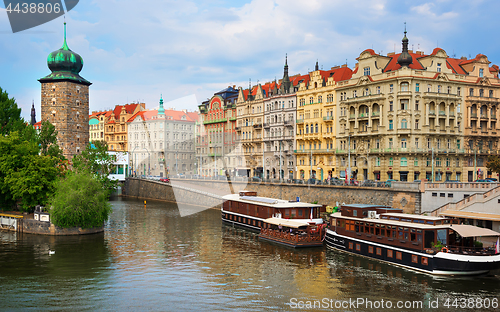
{"x": 26, "y": 223}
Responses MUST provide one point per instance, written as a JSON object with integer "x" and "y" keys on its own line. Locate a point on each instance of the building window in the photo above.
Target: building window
{"x": 415, "y": 162}
{"x": 391, "y": 162}
{"x": 439, "y": 88}
{"x": 391, "y": 88}
{"x": 417, "y": 87}
{"x": 403, "y": 143}
{"x": 378, "y": 90}
{"x": 429, "y": 88}
{"x": 481, "y": 72}
{"x": 404, "y": 162}
{"x": 404, "y": 104}
{"x": 481, "y": 93}
{"x": 416, "y": 142}
{"x": 404, "y": 124}
{"x": 404, "y": 86}
{"x": 438, "y": 162}
{"x": 471, "y": 92}
{"x": 390, "y": 124}
{"x": 378, "y": 162}
{"x": 416, "y": 125}
{"x": 438, "y": 67}
{"x": 391, "y": 107}
{"x": 449, "y": 90}
{"x": 428, "y": 162}
{"x": 311, "y": 100}
{"x": 491, "y": 94}
{"x": 416, "y": 105}
{"x": 458, "y": 91}
{"x": 367, "y": 71}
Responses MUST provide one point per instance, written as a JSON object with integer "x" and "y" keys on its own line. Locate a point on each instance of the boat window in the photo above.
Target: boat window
{"x": 287, "y": 212}
{"x": 383, "y": 217}
{"x": 365, "y": 213}
{"x": 388, "y": 233}
{"x": 355, "y": 213}
{"x": 442, "y": 236}
{"x": 367, "y": 228}
{"x": 377, "y": 229}
{"x": 406, "y": 235}
{"x": 400, "y": 233}
{"x": 419, "y": 238}
{"x": 430, "y": 222}
{"x": 300, "y": 212}
{"x": 371, "y": 228}
{"x": 382, "y": 232}
{"x": 394, "y": 232}
{"x": 357, "y": 226}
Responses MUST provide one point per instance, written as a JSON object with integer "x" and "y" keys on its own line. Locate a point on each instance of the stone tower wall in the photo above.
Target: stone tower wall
{"x": 66, "y": 105}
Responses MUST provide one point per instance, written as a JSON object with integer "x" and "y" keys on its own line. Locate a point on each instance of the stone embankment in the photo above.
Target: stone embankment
{"x": 207, "y": 192}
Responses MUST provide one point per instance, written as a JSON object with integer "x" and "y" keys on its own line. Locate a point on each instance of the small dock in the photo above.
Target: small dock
{"x": 11, "y": 222}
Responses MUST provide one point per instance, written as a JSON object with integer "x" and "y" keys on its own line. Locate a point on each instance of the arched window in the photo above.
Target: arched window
{"x": 404, "y": 86}
{"x": 312, "y": 128}
{"x": 316, "y": 128}
{"x": 307, "y": 129}
{"x": 404, "y": 162}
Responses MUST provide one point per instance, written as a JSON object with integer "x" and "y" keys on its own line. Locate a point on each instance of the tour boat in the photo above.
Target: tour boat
{"x": 292, "y": 233}
{"x": 428, "y": 244}
{"x": 250, "y": 211}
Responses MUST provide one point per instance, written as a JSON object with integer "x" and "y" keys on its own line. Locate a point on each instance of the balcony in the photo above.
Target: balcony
{"x": 375, "y": 114}
{"x": 206, "y": 122}
{"x": 232, "y": 118}
{"x": 257, "y": 126}
{"x": 299, "y": 121}
{"x": 473, "y": 115}
{"x": 432, "y": 112}
{"x": 442, "y": 113}
{"x": 267, "y": 125}
{"x": 352, "y": 116}
{"x": 237, "y": 128}
{"x": 484, "y": 116}
{"x": 328, "y": 118}
{"x": 363, "y": 115}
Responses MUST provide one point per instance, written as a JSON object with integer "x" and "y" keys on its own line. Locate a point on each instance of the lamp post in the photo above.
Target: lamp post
{"x": 149, "y": 162}
{"x": 134, "y": 162}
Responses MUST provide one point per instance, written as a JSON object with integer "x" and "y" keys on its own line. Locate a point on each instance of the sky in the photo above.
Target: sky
{"x": 137, "y": 51}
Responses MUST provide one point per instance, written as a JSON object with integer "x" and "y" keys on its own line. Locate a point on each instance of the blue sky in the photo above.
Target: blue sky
{"x": 137, "y": 50}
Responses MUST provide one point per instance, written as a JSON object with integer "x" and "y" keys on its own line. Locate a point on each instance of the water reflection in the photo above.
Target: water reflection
{"x": 151, "y": 258}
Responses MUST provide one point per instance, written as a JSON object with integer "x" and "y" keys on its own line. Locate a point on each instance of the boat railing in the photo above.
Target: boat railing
{"x": 296, "y": 237}
{"x": 474, "y": 251}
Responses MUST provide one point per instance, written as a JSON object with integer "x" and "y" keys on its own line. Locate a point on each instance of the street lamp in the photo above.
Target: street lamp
{"x": 149, "y": 162}
{"x": 134, "y": 162}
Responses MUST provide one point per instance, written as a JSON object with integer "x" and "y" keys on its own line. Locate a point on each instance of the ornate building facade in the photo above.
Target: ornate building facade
{"x": 217, "y": 147}
{"x": 116, "y": 126}
{"x": 316, "y": 118}
{"x": 400, "y": 117}
{"x": 65, "y": 100}
{"x": 481, "y": 113}
{"x": 162, "y": 142}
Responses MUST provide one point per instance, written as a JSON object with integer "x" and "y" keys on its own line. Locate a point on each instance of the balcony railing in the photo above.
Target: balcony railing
{"x": 206, "y": 122}
{"x": 352, "y": 116}
{"x": 473, "y": 115}
{"x": 300, "y": 121}
{"x": 432, "y": 112}
{"x": 375, "y": 113}
{"x": 442, "y": 113}
{"x": 363, "y": 115}
{"x": 328, "y": 118}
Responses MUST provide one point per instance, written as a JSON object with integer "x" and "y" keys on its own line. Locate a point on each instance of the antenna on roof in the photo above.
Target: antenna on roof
{"x": 418, "y": 47}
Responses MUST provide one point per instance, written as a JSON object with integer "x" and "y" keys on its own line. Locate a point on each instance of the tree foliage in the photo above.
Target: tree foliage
{"x": 493, "y": 164}
{"x": 28, "y": 175}
{"x": 79, "y": 201}
{"x": 96, "y": 160}
{"x": 10, "y": 114}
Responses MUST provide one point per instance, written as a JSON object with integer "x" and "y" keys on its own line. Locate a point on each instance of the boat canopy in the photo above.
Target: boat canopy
{"x": 472, "y": 231}
{"x": 286, "y": 222}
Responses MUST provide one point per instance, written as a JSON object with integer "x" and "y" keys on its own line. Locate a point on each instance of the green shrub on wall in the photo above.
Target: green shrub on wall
{"x": 79, "y": 201}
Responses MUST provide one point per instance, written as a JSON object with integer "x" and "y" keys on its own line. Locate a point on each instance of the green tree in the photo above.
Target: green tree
{"x": 96, "y": 160}
{"x": 26, "y": 177}
{"x": 10, "y": 114}
{"x": 47, "y": 139}
{"x": 493, "y": 164}
{"x": 79, "y": 201}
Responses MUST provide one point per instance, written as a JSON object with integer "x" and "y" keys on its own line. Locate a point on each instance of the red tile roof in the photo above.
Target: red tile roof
{"x": 454, "y": 64}
{"x": 393, "y": 63}
{"x": 174, "y": 114}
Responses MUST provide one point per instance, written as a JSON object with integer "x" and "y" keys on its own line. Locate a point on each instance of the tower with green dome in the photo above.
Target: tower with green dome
{"x": 65, "y": 99}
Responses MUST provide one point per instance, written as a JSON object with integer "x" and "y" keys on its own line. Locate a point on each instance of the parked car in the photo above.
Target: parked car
{"x": 195, "y": 176}
{"x": 163, "y": 179}
{"x": 180, "y": 175}
{"x": 256, "y": 179}
{"x": 311, "y": 181}
{"x": 484, "y": 181}
{"x": 388, "y": 183}
{"x": 417, "y": 181}
{"x": 492, "y": 179}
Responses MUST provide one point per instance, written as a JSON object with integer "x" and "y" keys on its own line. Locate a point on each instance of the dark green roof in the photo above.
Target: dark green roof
{"x": 65, "y": 65}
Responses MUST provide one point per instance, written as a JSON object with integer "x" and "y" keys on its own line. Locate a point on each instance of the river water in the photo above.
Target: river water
{"x": 153, "y": 259}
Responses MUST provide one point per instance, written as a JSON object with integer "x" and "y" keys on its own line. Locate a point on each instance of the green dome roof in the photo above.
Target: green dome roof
{"x": 65, "y": 65}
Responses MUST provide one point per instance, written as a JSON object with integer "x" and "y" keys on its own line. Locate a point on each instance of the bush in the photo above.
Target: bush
{"x": 79, "y": 201}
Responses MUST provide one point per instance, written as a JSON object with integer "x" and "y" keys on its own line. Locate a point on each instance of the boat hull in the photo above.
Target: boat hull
{"x": 290, "y": 243}
{"x": 437, "y": 264}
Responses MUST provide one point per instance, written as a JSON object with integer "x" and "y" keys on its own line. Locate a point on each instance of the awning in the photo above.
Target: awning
{"x": 470, "y": 215}
{"x": 286, "y": 222}
{"x": 472, "y": 231}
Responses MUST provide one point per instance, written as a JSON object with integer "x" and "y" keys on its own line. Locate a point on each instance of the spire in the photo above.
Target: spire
{"x": 405, "y": 58}
{"x": 161, "y": 110}
{"x": 65, "y": 45}
{"x": 33, "y": 114}
{"x": 317, "y": 66}
{"x": 285, "y": 83}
